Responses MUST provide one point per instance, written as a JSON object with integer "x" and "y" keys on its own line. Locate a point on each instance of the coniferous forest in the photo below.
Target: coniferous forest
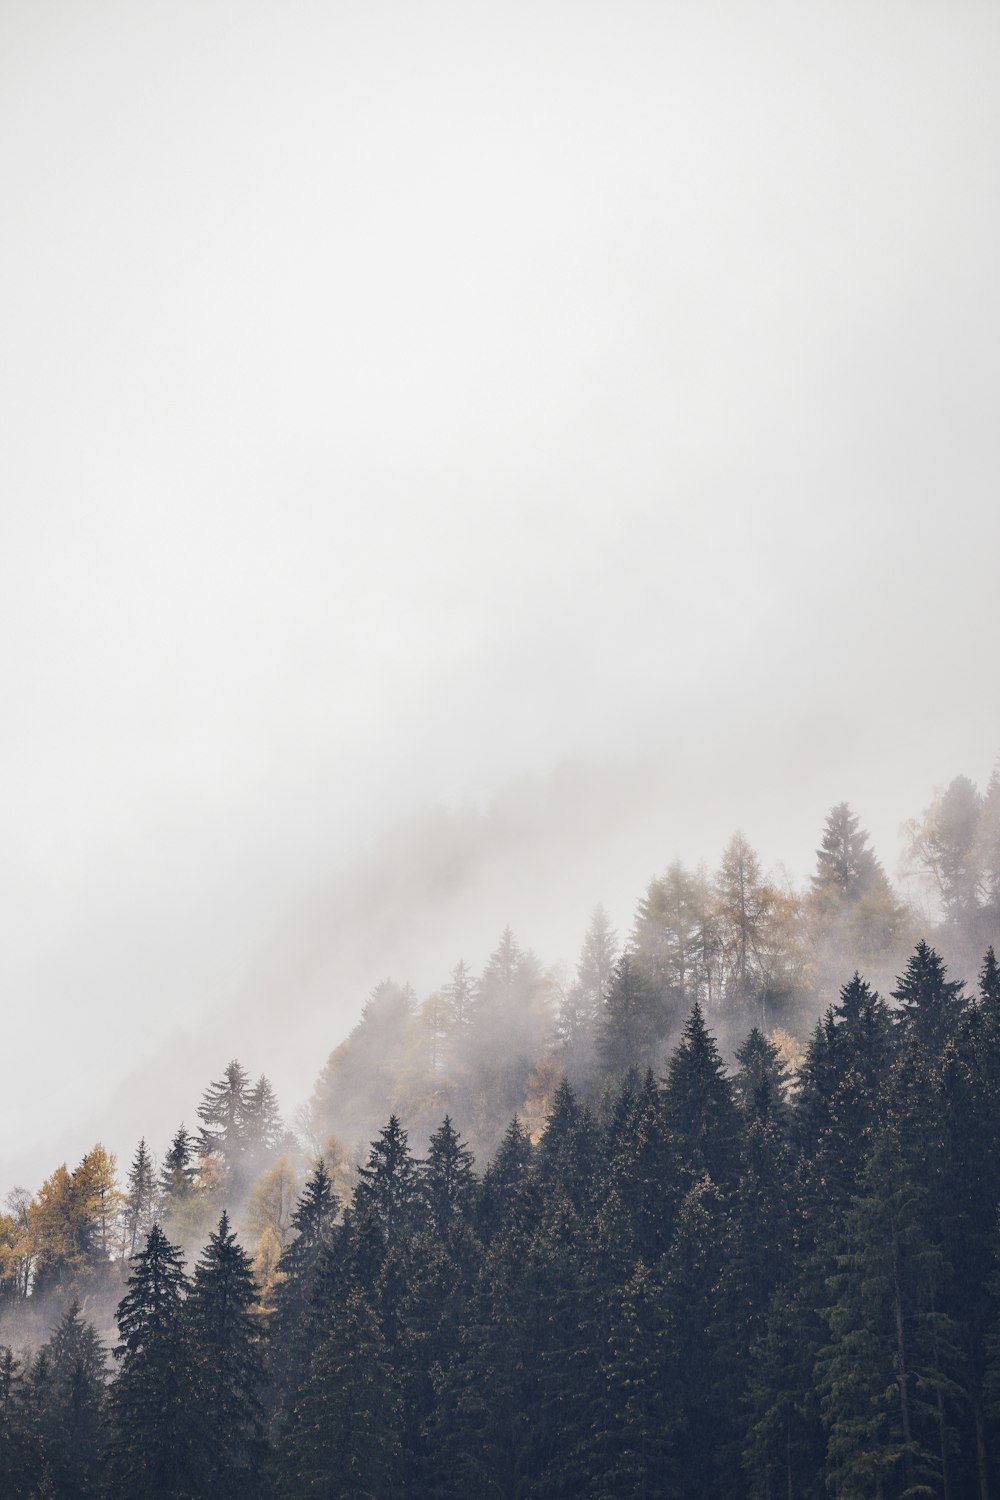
{"x": 717, "y": 1216}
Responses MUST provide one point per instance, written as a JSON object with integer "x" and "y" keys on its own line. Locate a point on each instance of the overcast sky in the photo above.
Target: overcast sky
{"x": 577, "y": 418}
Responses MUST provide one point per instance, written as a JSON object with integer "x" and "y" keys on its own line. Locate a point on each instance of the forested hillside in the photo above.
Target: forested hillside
{"x": 715, "y": 1216}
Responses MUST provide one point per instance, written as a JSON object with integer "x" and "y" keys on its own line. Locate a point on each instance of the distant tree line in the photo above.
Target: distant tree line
{"x": 671, "y": 1277}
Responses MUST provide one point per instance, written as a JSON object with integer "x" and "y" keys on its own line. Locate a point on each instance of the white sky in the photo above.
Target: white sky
{"x": 398, "y": 399}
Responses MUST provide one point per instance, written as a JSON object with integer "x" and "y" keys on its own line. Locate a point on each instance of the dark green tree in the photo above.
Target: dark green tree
{"x": 72, "y": 1414}
{"x": 388, "y": 1189}
{"x": 634, "y": 1020}
{"x": 698, "y": 1105}
{"x": 224, "y": 1125}
{"x": 226, "y": 1418}
{"x": 930, "y": 1004}
{"x": 150, "y": 1449}
{"x": 447, "y": 1183}
{"x": 140, "y": 1200}
{"x": 345, "y": 1439}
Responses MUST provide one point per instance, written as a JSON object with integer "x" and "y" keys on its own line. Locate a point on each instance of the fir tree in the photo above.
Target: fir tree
{"x": 446, "y": 1179}
{"x": 262, "y": 1126}
{"x": 930, "y": 1005}
{"x": 72, "y": 1417}
{"x": 844, "y": 862}
{"x": 223, "y": 1115}
{"x": 633, "y": 1022}
{"x": 345, "y": 1440}
{"x": 224, "y": 1397}
{"x": 140, "y": 1201}
{"x": 149, "y": 1452}
{"x": 698, "y": 1104}
{"x": 760, "y": 1068}
{"x": 388, "y": 1190}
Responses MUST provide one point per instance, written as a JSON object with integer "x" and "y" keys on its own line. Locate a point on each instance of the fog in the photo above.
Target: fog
{"x": 454, "y": 461}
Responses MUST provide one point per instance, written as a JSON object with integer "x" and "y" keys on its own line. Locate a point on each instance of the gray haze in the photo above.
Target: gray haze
{"x": 454, "y": 459}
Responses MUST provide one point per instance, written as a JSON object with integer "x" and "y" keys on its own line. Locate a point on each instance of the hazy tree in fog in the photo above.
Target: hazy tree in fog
{"x": 749, "y": 906}
{"x": 634, "y": 1021}
{"x": 16, "y": 1247}
{"x": 509, "y": 1029}
{"x": 139, "y": 1211}
{"x": 460, "y": 993}
{"x": 945, "y": 845}
{"x": 262, "y": 1123}
{"x": 223, "y": 1115}
{"x": 71, "y": 1418}
{"x": 844, "y": 862}
{"x": 667, "y": 939}
{"x": 581, "y": 1005}
{"x": 364, "y": 1071}
{"x": 854, "y": 916}
{"x": 179, "y": 1168}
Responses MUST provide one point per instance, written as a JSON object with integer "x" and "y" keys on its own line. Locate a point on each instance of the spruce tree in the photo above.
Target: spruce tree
{"x": 224, "y": 1395}
{"x": 389, "y": 1188}
{"x": 844, "y": 862}
{"x": 699, "y": 1107}
{"x": 447, "y": 1183}
{"x": 930, "y": 1004}
{"x": 224, "y": 1124}
{"x": 262, "y": 1125}
{"x": 345, "y": 1440}
{"x": 149, "y": 1451}
{"x": 306, "y": 1276}
{"x": 760, "y": 1067}
{"x": 72, "y": 1415}
{"x": 140, "y": 1201}
{"x": 633, "y": 1022}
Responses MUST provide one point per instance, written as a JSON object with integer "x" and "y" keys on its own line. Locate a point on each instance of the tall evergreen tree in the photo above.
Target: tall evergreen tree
{"x": 388, "y": 1189}
{"x": 149, "y": 1452}
{"x": 140, "y": 1201}
{"x": 346, "y": 1436}
{"x": 262, "y": 1124}
{"x": 930, "y": 1004}
{"x": 72, "y": 1417}
{"x": 699, "y": 1107}
{"x": 226, "y": 1419}
{"x": 446, "y": 1179}
{"x": 634, "y": 1022}
{"x": 223, "y": 1113}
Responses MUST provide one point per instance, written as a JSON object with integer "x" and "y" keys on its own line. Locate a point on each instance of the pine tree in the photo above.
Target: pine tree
{"x": 302, "y": 1292}
{"x": 20, "y": 1450}
{"x": 507, "y": 1190}
{"x": 346, "y": 1436}
{"x": 634, "y": 1021}
{"x": 667, "y": 939}
{"x": 447, "y": 1183}
{"x": 760, "y": 1068}
{"x": 140, "y": 1201}
{"x": 72, "y": 1417}
{"x": 582, "y": 1003}
{"x": 930, "y": 1005}
{"x": 698, "y": 1105}
{"x": 224, "y": 1398}
{"x": 178, "y": 1171}
{"x": 223, "y": 1113}
{"x": 262, "y": 1124}
{"x": 844, "y": 862}
{"x": 887, "y": 1363}
{"x": 389, "y": 1188}
{"x": 632, "y": 1452}
{"x": 149, "y": 1451}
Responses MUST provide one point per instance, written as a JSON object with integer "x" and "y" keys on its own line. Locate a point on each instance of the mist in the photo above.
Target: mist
{"x": 455, "y": 464}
